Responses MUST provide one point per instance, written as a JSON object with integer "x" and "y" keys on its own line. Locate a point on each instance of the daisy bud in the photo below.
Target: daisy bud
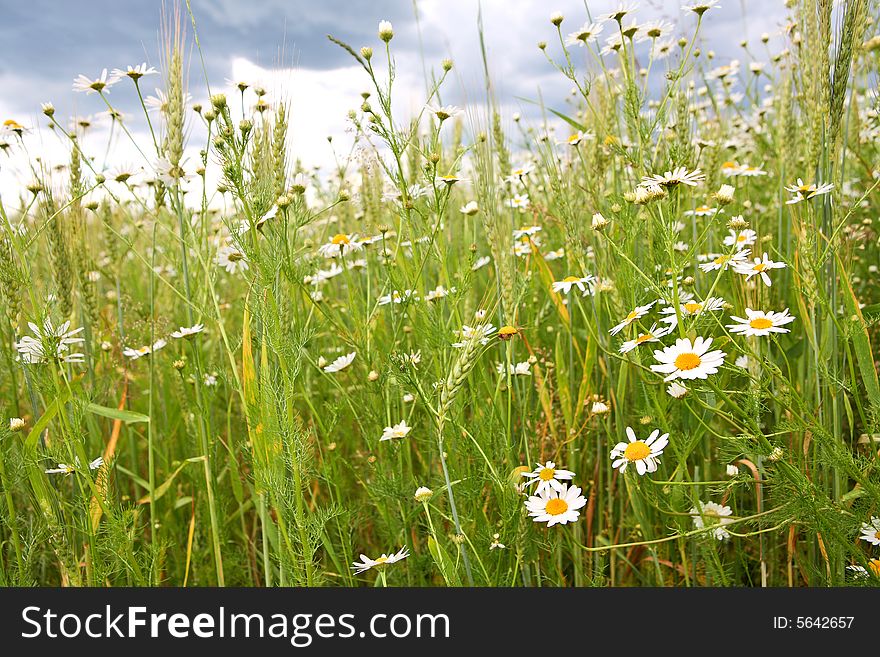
{"x": 646, "y": 419}
{"x": 599, "y": 222}
{"x": 17, "y": 424}
{"x": 732, "y": 470}
{"x": 218, "y": 101}
{"x": 556, "y": 18}
{"x": 92, "y": 205}
{"x": 344, "y": 196}
{"x": 765, "y": 37}
{"x": 367, "y": 53}
{"x": 245, "y": 126}
{"x": 178, "y": 364}
{"x": 542, "y": 45}
{"x": 386, "y": 31}
{"x": 209, "y": 115}
{"x": 682, "y": 42}
{"x": 99, "y": 178}
{"x": 688, "y": 281}
{"x": 423, "y": 494}
{"x": 776, "y": 454}
{"x": 48, "y": 109}
{"x": 322, "y": 362}
{"x": 458, "y": 539}
{"x": 724, "y": 195}
{"x": 446, "y": 64}
{"x": 106, "y": 346}
{"x": 373, "y": 375}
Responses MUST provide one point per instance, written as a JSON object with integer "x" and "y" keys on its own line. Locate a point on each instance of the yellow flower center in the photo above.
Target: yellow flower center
{"x": 340, "y": 239}
{"x": 570, "y": 279}
{"x": 874, "y": 565}
{"x": 720, "y": 260}
{"x": 741, "y": 238}
{"x": 644, "y": 337}
{"x": 693, "y": 306}
{"x": 636, "y": 451}
{"x": 703, "y": 208}
{"x": 546, "y": 474}
{"x": 687, "y": 361}
{"x": 573, "y": 139}
{"x": 631, "y": 316}
{"x": 759, "y": 267}
{"x": 760, "y": 323}
{"x": 381, "y": 560}
{"x": 556, "y": 507}
{"x": 728, "y": 165}
{"x": 877, "y": 534}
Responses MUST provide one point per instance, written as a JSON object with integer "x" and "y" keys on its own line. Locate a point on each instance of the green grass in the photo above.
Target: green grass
{"x": 231, "y": 457}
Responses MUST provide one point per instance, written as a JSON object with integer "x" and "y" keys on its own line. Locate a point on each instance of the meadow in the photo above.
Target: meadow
{"x": 631, "y": 342}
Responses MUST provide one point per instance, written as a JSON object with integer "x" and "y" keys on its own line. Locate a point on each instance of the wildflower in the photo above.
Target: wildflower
{"x": 644, "y": 453}
{"x": 450, "y": 179}
{"x": 653, "y": 335}
{"x": 700, "y": 7}
{"x": 386, "y": 31}
{"x": 496, "y": 544}
{"x": 776, "y": 454}
{"x": 135, "y": 73}
{"x": 861, "y": 571}
{"x": 677, "y": 176}
{"x": 399, "y": 430}
{"x": 760, "y": 266}
{"x": 583, "y": 283}
{"x": 423, "y": 494}
{"x": 871, "y": 531}
{"x": 209, "y": 379}
{"x": 688, "y": 360}
{"x": 366, "y": 563}
{"x": 231, "y": 259}
{"x": 470, "y": 208}
{"x": 408, "y": 398}
{"x": 726, "y": 260}
{"x": 481, "y": 262}
{"x": 618, "y": 14}
{"x": 188, "y": 332}
{"x": 711, "y": 514}
{"x": 479, "y": 332}
{"x": 742, "y": 362}
{"x": 340, "y": 363}
{"x": 556, "y": 507}
{"x": 803, "y": 192}
{"x": 519, "y": 201}
{"x": 146, "y": 350}
{"x": 169, "y": 173}
{"x": 517, "y": 369}
{"x": 676, "y": 390}
{"x": 65, "y": 469}
{"x": 547, "y": 476}
{"x": 51, "y": 343}
{"x": 340, "y": 245}
{"x": 691, "y": 308}
{"x": 437, "y": 293}
{"x": 637, "y": 313}
{"x": 98, "y": 85}
{"x": 761, "y": 323}
{"x": 586, "y": 33}
{"x": 599, "y": 407}
{"x": 701, "y": 211}
{"x": 397, "y": 297}
{"x": 445, "y": 112}
{"x": 373, "y": 376}
{"x": 16, "y": 424}
{"x": 742, "y": 238}
{"x": 732, "y": 470}
{"x": 518, "y": 173}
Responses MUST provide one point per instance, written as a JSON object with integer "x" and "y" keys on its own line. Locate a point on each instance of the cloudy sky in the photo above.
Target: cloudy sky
{"x": 282, "y": 44}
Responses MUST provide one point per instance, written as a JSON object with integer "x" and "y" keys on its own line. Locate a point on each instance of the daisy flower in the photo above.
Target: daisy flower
{"x": 644, "y": 453}
{"x": 366, "y": 563}
{"x": 134, "y": 72}
{"x": 63, "y": 468}
{"x": 741, "y": 239}
{"x": 871, "y": 531}
{"x": 146, "y": 350}
{"x": 445, "y": 112}
{"x": 470, "y": 208}
{"x": 98, "y": 85}
{"x": 556, "y": 507}
{"x": 231, "y": 259}
{"x": 519, "y": 201}
{"x": 761, "y": 323}
{"x": 576, "y": 138}
{"x": 724, "y": 261}
{"x": 804, "y": 192}
{"x": 701, "y": 211}
{"x": 517, "y": 174}
{"x": 760, "y": 266}
{"x": 548, "y": 476}
{"x": 187, "y": 332}
{"x": 399, "y": 430}
{"x": 691, "y": 308}
{"x": 481, "y": 262}
{"x": 583, "y": 283}
{"x": 527, "y": 231}
{"x": 51, "y": 343}
{"x": 653, "y": 335}
{"x": 340, "y": 245}
{"x": 702, "y": 6}
{"x": 678, "y": 176}
{"x": 637, "y": 313}
{"x": 688, "y": 360}
{"x": 711, "y": 514}
{"x": 340, "y": 363}
{"x": 587, "y": 32}
{"x": 480, "y": 332}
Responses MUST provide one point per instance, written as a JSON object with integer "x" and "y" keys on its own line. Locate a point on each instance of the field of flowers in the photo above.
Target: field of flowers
{"x": 633, "y": 344}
